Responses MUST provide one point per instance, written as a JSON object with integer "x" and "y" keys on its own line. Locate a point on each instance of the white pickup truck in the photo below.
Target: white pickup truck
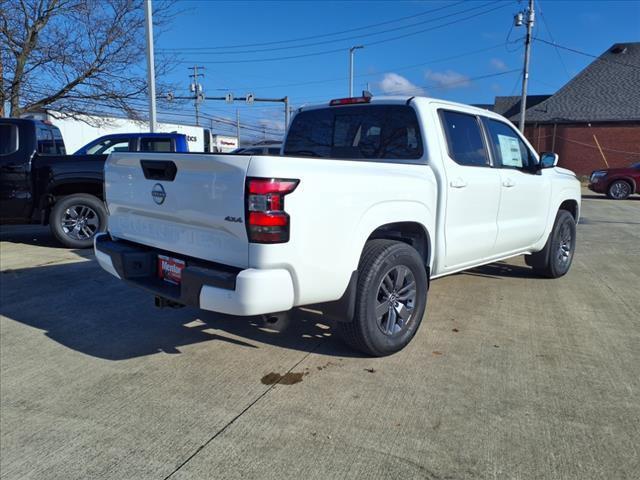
{"x": 370, "y": 200}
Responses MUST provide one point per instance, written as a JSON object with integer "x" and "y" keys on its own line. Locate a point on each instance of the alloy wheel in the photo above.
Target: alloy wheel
{"x": 395, "y": 300}
{"x": 619, "y": 190}
{"x": 564, "y": 244}
{"x": 80, "y": 222}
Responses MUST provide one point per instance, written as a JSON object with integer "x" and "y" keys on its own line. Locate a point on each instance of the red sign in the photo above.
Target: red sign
{"x": 170, "y": 269}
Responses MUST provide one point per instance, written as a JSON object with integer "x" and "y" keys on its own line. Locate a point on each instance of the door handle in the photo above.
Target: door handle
{"x": 507, "y": 182}
{"x": 458, "y": 183}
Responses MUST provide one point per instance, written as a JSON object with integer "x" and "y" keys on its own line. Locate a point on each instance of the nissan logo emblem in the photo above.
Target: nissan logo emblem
{"x": 158, "y": 194}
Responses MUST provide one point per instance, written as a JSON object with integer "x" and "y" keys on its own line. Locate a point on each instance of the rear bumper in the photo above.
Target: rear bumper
{"x": 204, "y": 285}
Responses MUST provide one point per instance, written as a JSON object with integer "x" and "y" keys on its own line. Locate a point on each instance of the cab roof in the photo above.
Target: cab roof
{"x": 403, "y": 100}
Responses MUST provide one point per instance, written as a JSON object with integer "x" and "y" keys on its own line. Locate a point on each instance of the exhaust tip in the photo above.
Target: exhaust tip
{"x": 277, "y": 321}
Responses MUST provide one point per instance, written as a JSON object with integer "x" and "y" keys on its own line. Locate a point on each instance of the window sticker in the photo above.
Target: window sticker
{"x": 510, "y": 151}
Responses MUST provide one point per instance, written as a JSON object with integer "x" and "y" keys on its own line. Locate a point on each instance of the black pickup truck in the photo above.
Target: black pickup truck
{"x": 39, "y": 183}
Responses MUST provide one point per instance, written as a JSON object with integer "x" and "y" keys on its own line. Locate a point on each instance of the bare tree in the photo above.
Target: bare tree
{"x": 75, "y": 56}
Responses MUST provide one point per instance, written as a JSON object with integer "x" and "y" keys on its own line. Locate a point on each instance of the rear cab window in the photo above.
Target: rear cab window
{"x": 357, "y": 132}
{"x": 156, "y": 145}
{"x": 8, "y": 138}
{"x": 49, "y": 140}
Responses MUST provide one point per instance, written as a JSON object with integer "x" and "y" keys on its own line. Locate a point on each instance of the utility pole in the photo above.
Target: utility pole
{"x": 151, "y": 71}
{"x": 351, "y": 54}
{"x": 286, "y": 112}
{"x": 530, "y": 18}
{"x": 238, "y": 125}
{"x": 196, "y": 88}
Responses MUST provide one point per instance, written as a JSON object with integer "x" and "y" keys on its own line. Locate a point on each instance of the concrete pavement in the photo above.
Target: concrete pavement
{"x": 510, "y": 376}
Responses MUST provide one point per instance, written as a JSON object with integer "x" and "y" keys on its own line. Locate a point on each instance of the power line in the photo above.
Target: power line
{"x": 579, "y": 52}
{"x": 325, "y": 52}
{"x": 201, "y": 50}
{"x": 546, "y": 26}
{"x": 395, "y": 69}
{"x": 140, "y": 108}
{"x": 293, "y": 40}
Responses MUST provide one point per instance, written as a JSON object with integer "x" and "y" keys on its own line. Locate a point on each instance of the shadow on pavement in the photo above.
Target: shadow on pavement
{"x": 85, "y": 309}
{"x": 501, "y": 269}
{"x": 30, "y": 235}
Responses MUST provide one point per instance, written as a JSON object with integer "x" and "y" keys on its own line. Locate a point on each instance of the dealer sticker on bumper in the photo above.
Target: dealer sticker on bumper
{"x": 170, "y": 269}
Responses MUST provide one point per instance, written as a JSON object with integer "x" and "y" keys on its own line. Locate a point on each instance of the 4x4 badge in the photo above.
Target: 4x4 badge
{"x": 229, "y": 218}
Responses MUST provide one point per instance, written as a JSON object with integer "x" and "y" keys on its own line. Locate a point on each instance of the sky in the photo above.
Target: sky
{"x": 466, "y": 51}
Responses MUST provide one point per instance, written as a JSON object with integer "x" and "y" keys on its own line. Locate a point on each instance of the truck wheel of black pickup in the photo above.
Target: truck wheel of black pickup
{"x": 76, "y": 219}
{"x": 390, "y": 300}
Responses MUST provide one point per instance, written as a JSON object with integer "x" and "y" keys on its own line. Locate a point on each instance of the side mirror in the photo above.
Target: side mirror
{"x": 548, "y": 160}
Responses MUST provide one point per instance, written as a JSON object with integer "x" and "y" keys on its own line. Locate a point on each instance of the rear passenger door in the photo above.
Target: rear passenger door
{"x": 526, "y": 190}
{"x": 473, "y": 191}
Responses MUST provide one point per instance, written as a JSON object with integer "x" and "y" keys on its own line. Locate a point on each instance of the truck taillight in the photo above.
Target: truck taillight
{"x": 267, "y": 222}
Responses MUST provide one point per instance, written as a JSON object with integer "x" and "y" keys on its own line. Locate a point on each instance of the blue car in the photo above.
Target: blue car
{"x": 136, "y": 142}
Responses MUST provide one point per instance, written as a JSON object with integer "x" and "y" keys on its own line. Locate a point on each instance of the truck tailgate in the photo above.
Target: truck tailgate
{"x": 189, "y": 204}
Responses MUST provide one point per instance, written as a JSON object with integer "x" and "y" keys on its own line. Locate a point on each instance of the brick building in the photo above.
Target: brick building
{"x": 594, "y": 120}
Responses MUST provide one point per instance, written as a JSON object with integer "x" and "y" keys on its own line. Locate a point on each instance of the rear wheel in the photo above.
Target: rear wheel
{"x": 555, "y": 259}
{"x": 619, "y": 190}
{"x": 390, "y": 300}
{"x": 76, "y": 219}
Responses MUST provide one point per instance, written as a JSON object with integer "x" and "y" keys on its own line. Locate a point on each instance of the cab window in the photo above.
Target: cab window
{"x": 8, "y": 138}
{"x": 155, "y": 145}
{"x": 45, "y": 143}
{"x": 371, "y": 132}
{"x": 508, "y": 148}
{"x": 58, "y": 142}
{"x": 464, "y": 139}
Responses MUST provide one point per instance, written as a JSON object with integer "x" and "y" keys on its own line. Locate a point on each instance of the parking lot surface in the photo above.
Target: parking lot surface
{"x": 510, "y": 376}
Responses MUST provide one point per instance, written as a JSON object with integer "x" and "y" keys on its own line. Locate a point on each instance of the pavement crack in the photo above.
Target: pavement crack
{"x": 245, "y": 410}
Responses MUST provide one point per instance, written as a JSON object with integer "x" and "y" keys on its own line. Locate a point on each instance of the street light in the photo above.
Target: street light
{"x": 351, "y": 51}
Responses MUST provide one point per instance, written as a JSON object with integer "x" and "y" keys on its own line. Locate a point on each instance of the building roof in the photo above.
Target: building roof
{"x": 607, "y": 90}
{"x": 486, "y": 106}
{"x": 510, "y": 106}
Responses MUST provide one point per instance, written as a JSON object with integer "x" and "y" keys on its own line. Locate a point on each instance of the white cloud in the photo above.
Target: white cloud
{"x": 394, "y": 84}
{"x": 498, "y": 64}
{"x": 448, "y": 79}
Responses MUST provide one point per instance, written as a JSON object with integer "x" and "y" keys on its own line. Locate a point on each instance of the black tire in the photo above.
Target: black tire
{"x": 90, "y": 219}
{"x": 555, "y": 259}
{"x": 380, "y": 336}
{"x": 619, "y": 190}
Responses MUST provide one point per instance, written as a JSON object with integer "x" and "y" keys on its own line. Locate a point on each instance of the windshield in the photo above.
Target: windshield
{"x": 368, "y": 132}
{"x": 109, "y": 145}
